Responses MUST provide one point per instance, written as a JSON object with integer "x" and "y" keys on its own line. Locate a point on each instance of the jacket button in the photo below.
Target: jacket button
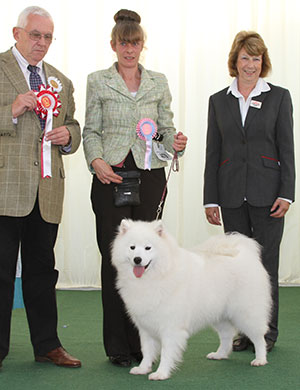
{"x": 36, "y": 163}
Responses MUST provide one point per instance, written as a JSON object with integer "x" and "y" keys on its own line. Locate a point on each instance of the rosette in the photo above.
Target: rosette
{"x": 48, "y": 104}
{"x": 55, "y": 83}
{"x": 146, "y": 130}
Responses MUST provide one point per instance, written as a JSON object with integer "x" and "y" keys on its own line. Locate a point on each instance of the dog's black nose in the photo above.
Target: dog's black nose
{"x": 137, "y": 260}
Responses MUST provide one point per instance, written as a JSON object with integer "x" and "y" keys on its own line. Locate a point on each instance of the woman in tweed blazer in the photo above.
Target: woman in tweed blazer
{"x": 117, "y": 99}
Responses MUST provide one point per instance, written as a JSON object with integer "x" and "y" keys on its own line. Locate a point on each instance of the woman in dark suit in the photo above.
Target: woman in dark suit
{"x": 250, "y": 172}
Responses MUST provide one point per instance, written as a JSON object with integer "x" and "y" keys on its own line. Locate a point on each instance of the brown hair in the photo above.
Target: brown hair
{"x": 127, "y": 27}
{"x": 254, "y": 45}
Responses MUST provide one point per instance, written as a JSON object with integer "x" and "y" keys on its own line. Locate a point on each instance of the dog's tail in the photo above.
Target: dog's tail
{"x": 229, "y": 244}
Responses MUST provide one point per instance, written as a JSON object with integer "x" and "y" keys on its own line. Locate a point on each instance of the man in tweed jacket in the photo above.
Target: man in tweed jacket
{"x": 31, "y": 206}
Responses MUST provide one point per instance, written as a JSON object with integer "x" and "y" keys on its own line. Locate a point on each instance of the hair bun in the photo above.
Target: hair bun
{"x": 127, "y": 15}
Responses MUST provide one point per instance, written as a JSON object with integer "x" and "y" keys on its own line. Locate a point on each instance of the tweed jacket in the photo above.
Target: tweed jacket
{"x": 20, "y": 147}
{"x": 254, "y": 161}
{"x": 112, "y": 115}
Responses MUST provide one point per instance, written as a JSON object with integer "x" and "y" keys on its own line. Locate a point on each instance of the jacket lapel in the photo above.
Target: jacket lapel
{"x": 13, "y": 72}
{"x": 234, "y": 108}
{"x": 115, "y": 81}
{"x": 50, "y": 72}
{"x": 146, "y": 83}
{"x": 252, "y": 112}
{"x": 15, "y": 75}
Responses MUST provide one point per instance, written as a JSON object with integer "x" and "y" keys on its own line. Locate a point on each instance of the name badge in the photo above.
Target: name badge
{"x": 255, "y": 104}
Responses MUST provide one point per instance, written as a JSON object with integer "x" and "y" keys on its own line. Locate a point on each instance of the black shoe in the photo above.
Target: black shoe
{"x": 120, "y": 360}
{"x": 138, "y": 356}
{"x": 270, "y": 345}
{"x": 0, "y": 363}
{"x": 241, "y": 344}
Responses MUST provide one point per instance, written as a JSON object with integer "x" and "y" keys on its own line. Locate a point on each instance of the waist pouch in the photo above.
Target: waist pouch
{"x": 127, "y": 193}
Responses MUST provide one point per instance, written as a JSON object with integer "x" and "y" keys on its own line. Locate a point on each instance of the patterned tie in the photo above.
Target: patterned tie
{"x": 35, "y": 82}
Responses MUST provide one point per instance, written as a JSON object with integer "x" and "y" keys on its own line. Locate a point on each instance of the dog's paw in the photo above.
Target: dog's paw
{"x": 158, "y": 376}
{"x": 259, "y": 362}
{"x": 215, "y": 356}
{"x": 140, "y": 370}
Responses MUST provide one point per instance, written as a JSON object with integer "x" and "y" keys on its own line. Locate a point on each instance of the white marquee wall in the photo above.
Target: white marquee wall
{"x": 188, "y": 41}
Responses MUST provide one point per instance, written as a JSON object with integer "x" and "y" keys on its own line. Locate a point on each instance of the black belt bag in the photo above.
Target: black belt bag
{"x": 127, "y": 193}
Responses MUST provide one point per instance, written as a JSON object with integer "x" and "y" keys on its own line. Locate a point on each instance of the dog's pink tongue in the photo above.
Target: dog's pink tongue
{"x": 138, "y": 271}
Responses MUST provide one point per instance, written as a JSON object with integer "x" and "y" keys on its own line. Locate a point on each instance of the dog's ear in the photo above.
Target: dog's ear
{"x": 124, "y": 226}
{"x": 159, "y": 229}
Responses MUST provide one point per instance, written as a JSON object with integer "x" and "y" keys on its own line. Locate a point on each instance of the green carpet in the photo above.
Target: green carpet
{"x": 80, "y": 320}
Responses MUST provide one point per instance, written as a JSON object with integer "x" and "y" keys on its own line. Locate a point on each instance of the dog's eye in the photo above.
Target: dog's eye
{"x": 132, "y": 247}
{"x": 148, "y": 248}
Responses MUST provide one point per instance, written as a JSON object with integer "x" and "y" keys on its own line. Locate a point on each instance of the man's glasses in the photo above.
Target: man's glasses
{"x": 37, "y": 36}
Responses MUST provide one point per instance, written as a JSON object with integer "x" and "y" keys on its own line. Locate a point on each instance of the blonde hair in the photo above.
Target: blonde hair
{"x": 254, "y": 45}
{"x": 127, "y": 27}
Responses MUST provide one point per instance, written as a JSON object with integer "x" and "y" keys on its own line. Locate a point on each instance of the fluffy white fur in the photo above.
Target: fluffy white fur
{"x": 171, "y": 293}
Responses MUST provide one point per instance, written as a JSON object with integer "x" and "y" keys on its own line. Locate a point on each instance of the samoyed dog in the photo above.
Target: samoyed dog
{"x": 170, "y": 293}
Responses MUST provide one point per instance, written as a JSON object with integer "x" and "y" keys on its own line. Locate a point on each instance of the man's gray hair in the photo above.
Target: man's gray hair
{"x": 33, "y": 10}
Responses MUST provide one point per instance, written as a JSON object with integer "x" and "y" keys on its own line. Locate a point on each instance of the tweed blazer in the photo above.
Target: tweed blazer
{"x": 256, "y": 160}
{"x": 20, "y": 147}
{"x": 112, "y": 115}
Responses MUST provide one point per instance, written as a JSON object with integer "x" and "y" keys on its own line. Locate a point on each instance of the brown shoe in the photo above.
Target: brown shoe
{"x": 60, "y": 357}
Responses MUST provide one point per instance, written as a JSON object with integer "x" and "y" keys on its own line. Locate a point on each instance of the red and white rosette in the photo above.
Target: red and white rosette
{"x": 48, "y": 104}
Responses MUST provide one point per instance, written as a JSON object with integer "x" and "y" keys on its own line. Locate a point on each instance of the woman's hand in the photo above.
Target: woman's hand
{"x": 105, "y": 173}
{"x": 279, "y": 208}
{"x": 180, "y": 141}
{"x": 213, "y": 215}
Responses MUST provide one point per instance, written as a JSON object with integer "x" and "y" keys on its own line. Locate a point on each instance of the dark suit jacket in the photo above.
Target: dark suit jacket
{"x": 20, "y": 147}
{"x": 255, "y": 161}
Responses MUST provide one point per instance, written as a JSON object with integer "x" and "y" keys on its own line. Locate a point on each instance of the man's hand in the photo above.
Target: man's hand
{"x": 59, "y": 136}
{"x": 24, "y": 102}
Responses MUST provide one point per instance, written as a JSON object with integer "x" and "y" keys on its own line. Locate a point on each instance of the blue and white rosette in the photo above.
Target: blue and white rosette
{"x": 146, "y": 130}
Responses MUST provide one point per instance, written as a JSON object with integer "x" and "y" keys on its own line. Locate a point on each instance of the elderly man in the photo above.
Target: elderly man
{"x": 36, "y": 128}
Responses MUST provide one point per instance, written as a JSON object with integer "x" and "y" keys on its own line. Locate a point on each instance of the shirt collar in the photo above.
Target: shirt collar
{"x": 22, "y": 61}
{"x": 261, "y": 86}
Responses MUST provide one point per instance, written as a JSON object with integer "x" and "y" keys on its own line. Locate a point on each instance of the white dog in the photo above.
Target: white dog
{"x": 171, "y": 293}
